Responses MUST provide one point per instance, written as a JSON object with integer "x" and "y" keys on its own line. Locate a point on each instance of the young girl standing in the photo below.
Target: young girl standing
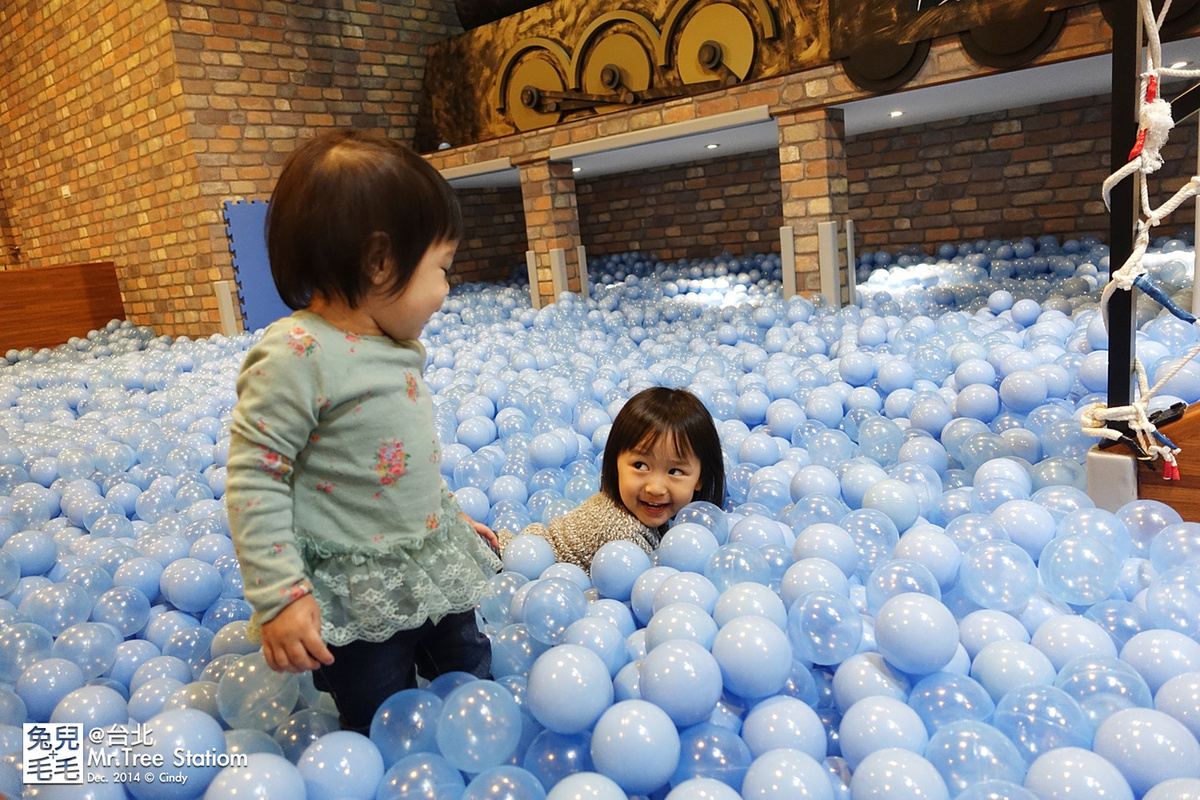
{"x": 355, "y": 556}
{"x": 663, "y": 452}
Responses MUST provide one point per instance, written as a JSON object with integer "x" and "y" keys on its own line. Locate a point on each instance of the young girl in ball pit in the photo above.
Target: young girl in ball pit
{"x": 355, "y": 556}
{"x": 662, "y": 453}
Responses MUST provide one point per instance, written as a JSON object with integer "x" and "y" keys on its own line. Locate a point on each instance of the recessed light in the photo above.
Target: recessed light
{"x": 895, "y": 114}
{"x": 713, "y": 146}
{"x": 576, "y": 169}
{"x": 1180, "y": 64}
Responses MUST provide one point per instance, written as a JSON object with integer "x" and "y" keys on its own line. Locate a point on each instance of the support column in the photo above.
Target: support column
{"x": 551, "y": 220}
{"x": 812, "y": 171}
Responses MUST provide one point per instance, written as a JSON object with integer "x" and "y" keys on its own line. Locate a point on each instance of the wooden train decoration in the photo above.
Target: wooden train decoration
{"x": 566, "y": 59}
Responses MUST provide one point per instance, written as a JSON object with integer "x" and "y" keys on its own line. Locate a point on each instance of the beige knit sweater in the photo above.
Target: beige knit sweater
{"x": 577, "y": 536}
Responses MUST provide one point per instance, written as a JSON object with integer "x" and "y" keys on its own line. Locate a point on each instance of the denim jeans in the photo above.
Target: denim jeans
{"x": 364, "y": 674}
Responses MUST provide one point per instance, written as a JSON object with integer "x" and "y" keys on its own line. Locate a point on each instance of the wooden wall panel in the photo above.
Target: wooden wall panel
{"x": 46, "y": 306}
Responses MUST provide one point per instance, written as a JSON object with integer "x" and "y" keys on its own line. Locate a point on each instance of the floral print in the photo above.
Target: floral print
{"x": 300, "y": 341}
{"x": 410, "y": 383}
{"x": 392, "y": 463}
{"x": 274, "y": 464}
{"x": 431, "y": 522}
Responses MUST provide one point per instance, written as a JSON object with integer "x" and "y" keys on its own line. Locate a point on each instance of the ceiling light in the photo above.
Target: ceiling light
{"x": 576, "y": 169}
{"x": 711, "y": 146}
{"x": 895, "y": 114}
{"x": 1179, "y": 64}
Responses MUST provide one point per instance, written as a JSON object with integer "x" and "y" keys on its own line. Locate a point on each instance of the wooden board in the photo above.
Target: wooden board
{"x": 1182, "y": 495}
{"x": 46, "y": 306}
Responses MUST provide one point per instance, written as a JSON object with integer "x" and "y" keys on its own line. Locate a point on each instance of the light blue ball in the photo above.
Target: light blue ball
{"x": 636, "y": 745}
{"x": 686, "y": 587}
{"x": 514, "y": 650}
{"x": 1038, "y": 719}
{"x": 641, "y": 598}
{"x": 711, "y": 752}
{"x": 916, "y": 633}
{"x": 341, "y": 764}
{"x": 754, "y": 655}
{"x": 90, "y": 645}
{"x": 252, "y": 695}
{"x": 943, "y": 697}
{"x": 569, "y": 688}
{"x": 192, "y": 732}
{"x": 190, "y": 584}
{"x": 683, "y": 679}
{"x": 830, "y": 542}
{"x": 687, "y": 546}
{"x": 1005, "y": 665}
{"x": 616, "y": 567}
{"x": 735, "y": 563}
{"x": 1066, "y": 637}
{"x": 875, "y": 723}
{"x": 1072, "y": 772}
{"x": 1079, "y": 569}
{"x": 267, "y": 776}
{"x": 1147, "y": 746}
{"x": 1175, "y": 789}
{"x": 1103, "y": 685}
{"x": 479, "y": 726}
{"x": 529, "y": 555}
{"x": 421, "y": 775}
{"x": 44, "y": 683}
{"x": 750, "y": 598}
{"x": 897, "y": 774}
{"x": 967, "y": 753}
{"x": 507, "y": 782}
{"x": 473, "y": 502}
{"x": 602, "y": 637}
{"x": 784, "y": 722}
{"x": 585, "y": 786}
{"x": 550, "y": 606}
{"x": 1159, "y": 655}
{"x": 551, "y": 756}
{"x": 824, "y": 627}
{"x": 405, "y": 724}
{"x": 56, "y": 607}
{"x": 684, "y": 621}
{"x": 998, "y": 575}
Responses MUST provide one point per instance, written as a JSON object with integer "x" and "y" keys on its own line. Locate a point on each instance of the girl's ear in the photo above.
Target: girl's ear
{"x": 378, "y": 258}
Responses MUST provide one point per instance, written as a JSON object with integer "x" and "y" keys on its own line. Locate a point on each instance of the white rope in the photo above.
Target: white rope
{"x": 1154, "y": 127}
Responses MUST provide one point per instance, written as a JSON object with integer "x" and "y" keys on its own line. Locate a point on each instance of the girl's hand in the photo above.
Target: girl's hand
{"x": 485, "y": 532}
{"x": 292, "y": 640}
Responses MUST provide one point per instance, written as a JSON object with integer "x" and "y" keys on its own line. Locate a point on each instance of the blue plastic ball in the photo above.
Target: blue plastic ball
{"x": 636, "y": 745}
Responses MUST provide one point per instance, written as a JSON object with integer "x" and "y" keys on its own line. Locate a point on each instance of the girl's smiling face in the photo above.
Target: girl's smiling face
{"x": 656, "y": 480}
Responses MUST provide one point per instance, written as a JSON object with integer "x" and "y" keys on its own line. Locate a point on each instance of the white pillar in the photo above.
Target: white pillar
{"x": 787, "y": 254}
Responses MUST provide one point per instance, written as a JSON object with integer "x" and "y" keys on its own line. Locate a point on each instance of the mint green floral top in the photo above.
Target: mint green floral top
{"x": 334, "y": 486}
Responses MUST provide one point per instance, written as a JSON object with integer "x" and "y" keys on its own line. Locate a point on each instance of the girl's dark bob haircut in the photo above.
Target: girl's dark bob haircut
{"x": 678, "y": 415}
{"x": 339, "y": 190}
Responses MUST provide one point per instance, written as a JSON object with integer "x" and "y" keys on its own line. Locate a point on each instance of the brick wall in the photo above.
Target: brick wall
{"x": 152, "y": 112}
{"x": 684, "y": 211}
{"x": 493, "y": 235}
{"x": 1024, "y": 172}
{"x": 96, "y": 162}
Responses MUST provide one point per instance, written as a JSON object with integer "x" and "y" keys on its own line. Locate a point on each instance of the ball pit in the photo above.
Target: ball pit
{"x": 907, "y": 594}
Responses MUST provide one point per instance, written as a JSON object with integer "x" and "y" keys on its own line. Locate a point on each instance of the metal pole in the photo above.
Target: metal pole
{"x": 1127, "y": 35}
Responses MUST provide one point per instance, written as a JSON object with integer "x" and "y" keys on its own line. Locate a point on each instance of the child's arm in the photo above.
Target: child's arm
{"x": 292, "y": 640}
{"x": 275, "y": 415}
{"x": 486, "y": 533}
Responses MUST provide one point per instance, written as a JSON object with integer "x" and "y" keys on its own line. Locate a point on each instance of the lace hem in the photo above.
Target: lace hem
{"x": 369, "y": 596}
